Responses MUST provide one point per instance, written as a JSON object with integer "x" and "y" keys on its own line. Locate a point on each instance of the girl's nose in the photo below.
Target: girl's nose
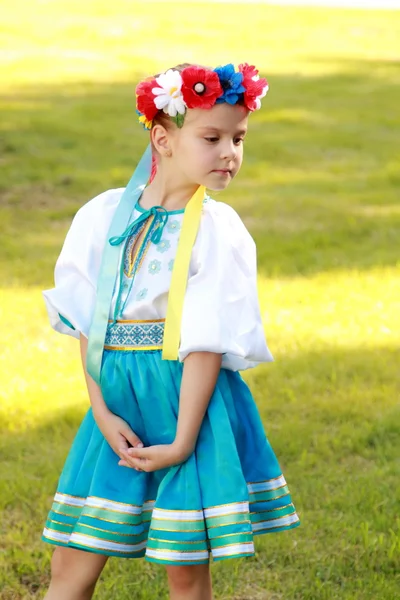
{"x": 228, "y": 151}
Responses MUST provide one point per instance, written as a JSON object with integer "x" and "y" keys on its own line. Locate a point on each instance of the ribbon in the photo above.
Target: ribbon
{"x": 161, "y": 217}
{"x": 176, "y": 296}
{"x": 160, "y": 220}
{"x": 110, "y": 259}
{"x": 109, "y": 266}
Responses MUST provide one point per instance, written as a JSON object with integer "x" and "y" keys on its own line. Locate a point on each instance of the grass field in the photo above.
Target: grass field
{"x": 319, "y": 190}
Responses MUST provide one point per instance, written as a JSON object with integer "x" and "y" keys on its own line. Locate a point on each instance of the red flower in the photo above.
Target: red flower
{"x": 256, "y": 87}
{"x": 145, "y": 98}
{"x": 200, "y": 87}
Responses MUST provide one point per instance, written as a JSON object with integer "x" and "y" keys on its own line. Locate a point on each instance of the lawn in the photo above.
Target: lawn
{"x": 319, "y": 191}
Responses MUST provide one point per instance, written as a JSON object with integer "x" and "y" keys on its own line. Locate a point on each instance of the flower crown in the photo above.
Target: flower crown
{"x": 197, "y": 87}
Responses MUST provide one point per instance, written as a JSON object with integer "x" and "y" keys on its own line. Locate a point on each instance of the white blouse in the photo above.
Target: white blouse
{"x": 221, "y": 311}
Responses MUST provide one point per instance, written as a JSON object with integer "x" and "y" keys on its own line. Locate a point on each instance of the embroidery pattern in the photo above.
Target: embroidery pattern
{"x": 134, "y": 260}
{"x": 142, "y": 294}
{"x": 173, "y": 226}
{"x": 154, "y": 267}
{"x": 135, "y": 335}
{"x": 163, "y": 246}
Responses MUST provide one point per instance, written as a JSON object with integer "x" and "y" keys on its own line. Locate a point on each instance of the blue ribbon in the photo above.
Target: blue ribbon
{"x": 109, "y": 266}
{"x": 160, "y": 220}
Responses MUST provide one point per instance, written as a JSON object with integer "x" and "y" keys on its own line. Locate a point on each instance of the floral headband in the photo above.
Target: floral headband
{"x": 197, "y": 87}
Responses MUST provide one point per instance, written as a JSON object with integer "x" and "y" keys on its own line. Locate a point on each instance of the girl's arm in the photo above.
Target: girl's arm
{"x": 99, "y": 407}
{"x": 200, "y": 373}
{"x": 115, "y": 430}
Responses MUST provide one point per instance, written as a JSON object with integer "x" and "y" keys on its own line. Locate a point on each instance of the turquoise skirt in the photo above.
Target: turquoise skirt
{"x": 230, "y": 489}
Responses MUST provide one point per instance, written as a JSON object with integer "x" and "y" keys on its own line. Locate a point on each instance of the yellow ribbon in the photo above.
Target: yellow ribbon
{"x": 180, "y": 272}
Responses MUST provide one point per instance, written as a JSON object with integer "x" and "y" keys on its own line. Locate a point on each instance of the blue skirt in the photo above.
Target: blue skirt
{"x": 230, "y": 489}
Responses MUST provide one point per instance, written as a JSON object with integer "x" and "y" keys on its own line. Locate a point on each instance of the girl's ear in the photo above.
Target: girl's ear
{"x": 160, "y": 140}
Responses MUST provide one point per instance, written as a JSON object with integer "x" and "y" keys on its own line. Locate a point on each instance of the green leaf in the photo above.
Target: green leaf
{"x": 179, "y": 120}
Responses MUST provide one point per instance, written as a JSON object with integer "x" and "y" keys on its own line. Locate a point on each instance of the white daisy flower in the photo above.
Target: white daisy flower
{"x": 169, "y": 97}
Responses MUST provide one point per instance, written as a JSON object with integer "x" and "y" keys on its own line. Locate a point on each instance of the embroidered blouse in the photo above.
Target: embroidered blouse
{"x": 221, "y": 310}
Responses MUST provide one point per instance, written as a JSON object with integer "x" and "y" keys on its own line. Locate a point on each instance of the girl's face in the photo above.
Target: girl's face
{"x": 208, "y": 149}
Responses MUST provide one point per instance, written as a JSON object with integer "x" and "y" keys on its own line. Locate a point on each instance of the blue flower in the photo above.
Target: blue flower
{"x": 171, "y": 264}
{"x": 163, "y": 246}
{"x": 142, "y": 294}
{"x": 231, "y": 83}
{"x": 154, "y": 267}
{"x": 173, "y": 226}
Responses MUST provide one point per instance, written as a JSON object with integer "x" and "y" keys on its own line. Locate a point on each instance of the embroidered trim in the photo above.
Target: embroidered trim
{"x": 129, "y": 256}
{"x": 135, "y": 335}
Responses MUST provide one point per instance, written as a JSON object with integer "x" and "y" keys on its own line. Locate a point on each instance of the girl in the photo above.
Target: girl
{"x": 158, "y": 282}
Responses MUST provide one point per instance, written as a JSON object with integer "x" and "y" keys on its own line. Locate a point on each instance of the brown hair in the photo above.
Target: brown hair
{"x": 164, "y": 119}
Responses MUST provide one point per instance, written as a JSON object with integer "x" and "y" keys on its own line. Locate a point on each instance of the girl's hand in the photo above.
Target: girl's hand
{"x": 153, "y": 458}
{"x": 117, "y": 432}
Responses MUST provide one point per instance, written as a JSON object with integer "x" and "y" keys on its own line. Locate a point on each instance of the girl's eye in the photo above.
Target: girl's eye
{"x": 212, "y": 140}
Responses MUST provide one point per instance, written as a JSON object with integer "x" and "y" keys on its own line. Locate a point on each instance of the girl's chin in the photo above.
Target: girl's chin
{"x": 217, "y": 186}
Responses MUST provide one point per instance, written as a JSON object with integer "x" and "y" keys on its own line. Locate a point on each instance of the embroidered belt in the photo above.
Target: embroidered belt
{"x": 135, "y": 335}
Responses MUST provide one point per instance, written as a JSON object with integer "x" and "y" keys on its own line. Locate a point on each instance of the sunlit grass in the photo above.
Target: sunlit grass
{"x": 301, "y": 316}
{"x": 319, "y": 191}
{"x": 70, "y": 41}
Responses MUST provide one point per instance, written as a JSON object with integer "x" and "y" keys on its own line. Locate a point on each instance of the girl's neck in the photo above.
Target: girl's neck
{"x": 172, "y": 195}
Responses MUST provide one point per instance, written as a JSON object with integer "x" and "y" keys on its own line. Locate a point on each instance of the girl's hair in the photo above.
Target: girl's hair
{"x": 163, "y": 119}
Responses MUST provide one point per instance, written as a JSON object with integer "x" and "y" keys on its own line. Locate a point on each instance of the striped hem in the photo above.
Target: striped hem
{"x": 169, "y": 536}
{"x": 277, "y": 529}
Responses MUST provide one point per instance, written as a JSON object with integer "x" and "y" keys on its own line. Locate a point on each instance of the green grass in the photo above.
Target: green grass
{"x": 319, "y": 190}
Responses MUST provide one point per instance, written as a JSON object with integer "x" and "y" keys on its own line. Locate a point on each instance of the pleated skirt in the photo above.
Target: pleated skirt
{"x": 229, "y": 490}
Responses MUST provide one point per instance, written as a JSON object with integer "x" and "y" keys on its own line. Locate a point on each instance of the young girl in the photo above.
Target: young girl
{"x": 158, "y": 282}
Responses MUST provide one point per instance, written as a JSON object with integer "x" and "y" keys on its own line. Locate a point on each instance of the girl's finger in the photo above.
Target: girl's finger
{"x": 141, "y": 453}
{"x": 122, "y": 445}
{"x": 139, "y": 465}
{"x": 132, "y": 438}
{"x": 132, "y": 462}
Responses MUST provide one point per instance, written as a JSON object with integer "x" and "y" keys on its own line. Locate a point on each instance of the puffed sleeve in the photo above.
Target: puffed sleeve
{"x": 70, "y": 304}
{"x": 221, "y": 310}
